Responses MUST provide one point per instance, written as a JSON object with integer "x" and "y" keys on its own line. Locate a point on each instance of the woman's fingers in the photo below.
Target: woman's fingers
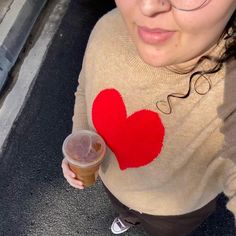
{"x": 70, "y": 176}
{"x": 78, "y": 186}
{"x": 75, "y": 182}
{"x": 66, "y": 169}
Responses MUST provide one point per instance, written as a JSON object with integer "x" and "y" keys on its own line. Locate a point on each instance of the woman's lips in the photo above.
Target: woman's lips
{"x": 154, "y": 36}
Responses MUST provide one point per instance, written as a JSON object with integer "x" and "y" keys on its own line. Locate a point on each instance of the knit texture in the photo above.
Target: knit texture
{"x": 156, "y": 163}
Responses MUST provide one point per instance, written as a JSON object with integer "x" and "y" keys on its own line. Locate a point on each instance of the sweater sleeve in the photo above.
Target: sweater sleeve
{"x": 90, "y": 56}
{"x": 80, "y": 111}
{"x": 229, "y": 151}
{"x": 229, "y": 132}
{"x": 80, "y": 114}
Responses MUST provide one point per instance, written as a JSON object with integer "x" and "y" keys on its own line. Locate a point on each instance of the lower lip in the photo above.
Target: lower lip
{"x": 153, "y": 37}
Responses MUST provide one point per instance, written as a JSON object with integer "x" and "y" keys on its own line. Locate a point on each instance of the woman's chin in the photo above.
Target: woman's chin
{"x": 156, "y": 61}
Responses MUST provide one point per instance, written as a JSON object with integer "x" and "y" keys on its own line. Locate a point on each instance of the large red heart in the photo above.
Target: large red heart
{"x": 135, "y": 140}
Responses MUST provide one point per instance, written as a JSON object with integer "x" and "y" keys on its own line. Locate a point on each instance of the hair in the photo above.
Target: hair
{"x": 229, "y": 54}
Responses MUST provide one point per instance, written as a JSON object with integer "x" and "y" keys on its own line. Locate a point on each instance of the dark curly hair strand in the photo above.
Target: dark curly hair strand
{"x": 229, "y": 35}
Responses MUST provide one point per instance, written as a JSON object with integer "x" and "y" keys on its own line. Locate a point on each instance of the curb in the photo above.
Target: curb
{"x": 28, "y": 70}
{"x": 14, "y": 31}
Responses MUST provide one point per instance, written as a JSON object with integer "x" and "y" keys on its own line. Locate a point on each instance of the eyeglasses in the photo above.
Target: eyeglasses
{"x": 188, "y": 5}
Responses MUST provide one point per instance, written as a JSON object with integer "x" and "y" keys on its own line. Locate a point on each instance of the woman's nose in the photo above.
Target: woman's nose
{"x": 152, "y": 7}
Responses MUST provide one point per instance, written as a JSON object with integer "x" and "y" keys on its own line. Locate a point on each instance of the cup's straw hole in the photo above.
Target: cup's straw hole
{"x": 96, "y": 146}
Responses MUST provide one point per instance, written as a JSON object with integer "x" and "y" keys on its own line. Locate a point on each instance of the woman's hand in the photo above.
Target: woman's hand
{"x": 70, "y": 175}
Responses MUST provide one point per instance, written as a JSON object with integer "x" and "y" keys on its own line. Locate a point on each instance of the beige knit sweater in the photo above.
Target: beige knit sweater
{"x": 157, "y": 163}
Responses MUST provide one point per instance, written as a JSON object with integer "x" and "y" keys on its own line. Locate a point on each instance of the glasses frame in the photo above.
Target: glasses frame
{"x": 194, "y": 9}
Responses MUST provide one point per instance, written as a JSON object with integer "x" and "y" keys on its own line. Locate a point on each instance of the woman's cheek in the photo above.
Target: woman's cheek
{"x": 189, "y": 23}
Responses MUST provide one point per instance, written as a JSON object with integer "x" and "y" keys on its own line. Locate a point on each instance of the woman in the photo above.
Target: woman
{"x": 158, "y": 84}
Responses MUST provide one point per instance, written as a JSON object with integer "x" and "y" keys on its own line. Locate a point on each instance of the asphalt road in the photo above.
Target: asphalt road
{"x": 35, "y": 199}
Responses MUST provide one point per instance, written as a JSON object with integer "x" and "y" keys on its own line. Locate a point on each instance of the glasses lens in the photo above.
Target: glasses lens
{"x": 188, "y": 5}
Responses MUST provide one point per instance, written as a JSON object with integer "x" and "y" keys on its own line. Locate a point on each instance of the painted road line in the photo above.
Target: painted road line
{"x": 14, "y": 101}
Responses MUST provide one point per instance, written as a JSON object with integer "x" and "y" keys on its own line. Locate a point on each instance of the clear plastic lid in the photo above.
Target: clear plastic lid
{"x": 84, "y": 148}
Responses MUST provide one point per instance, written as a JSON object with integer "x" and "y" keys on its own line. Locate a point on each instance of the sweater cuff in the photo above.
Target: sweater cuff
{"x": 230, "y": 188}
{"x": 231, "y": 205}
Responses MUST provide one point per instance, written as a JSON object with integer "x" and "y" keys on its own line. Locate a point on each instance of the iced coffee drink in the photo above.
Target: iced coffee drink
{"x": 84, "y": 151}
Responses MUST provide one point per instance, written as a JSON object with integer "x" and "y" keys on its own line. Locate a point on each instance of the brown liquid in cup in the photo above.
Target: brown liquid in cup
{"x": 84, "y": 152}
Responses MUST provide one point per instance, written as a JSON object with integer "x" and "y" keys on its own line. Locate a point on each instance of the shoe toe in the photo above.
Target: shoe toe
{"x": 118, "y": 227}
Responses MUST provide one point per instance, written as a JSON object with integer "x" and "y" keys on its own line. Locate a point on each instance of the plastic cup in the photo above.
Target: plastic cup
{"x": 84, "y": 150}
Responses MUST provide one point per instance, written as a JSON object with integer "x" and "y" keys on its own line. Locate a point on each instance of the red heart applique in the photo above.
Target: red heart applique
{"x": 135, "y": 140}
